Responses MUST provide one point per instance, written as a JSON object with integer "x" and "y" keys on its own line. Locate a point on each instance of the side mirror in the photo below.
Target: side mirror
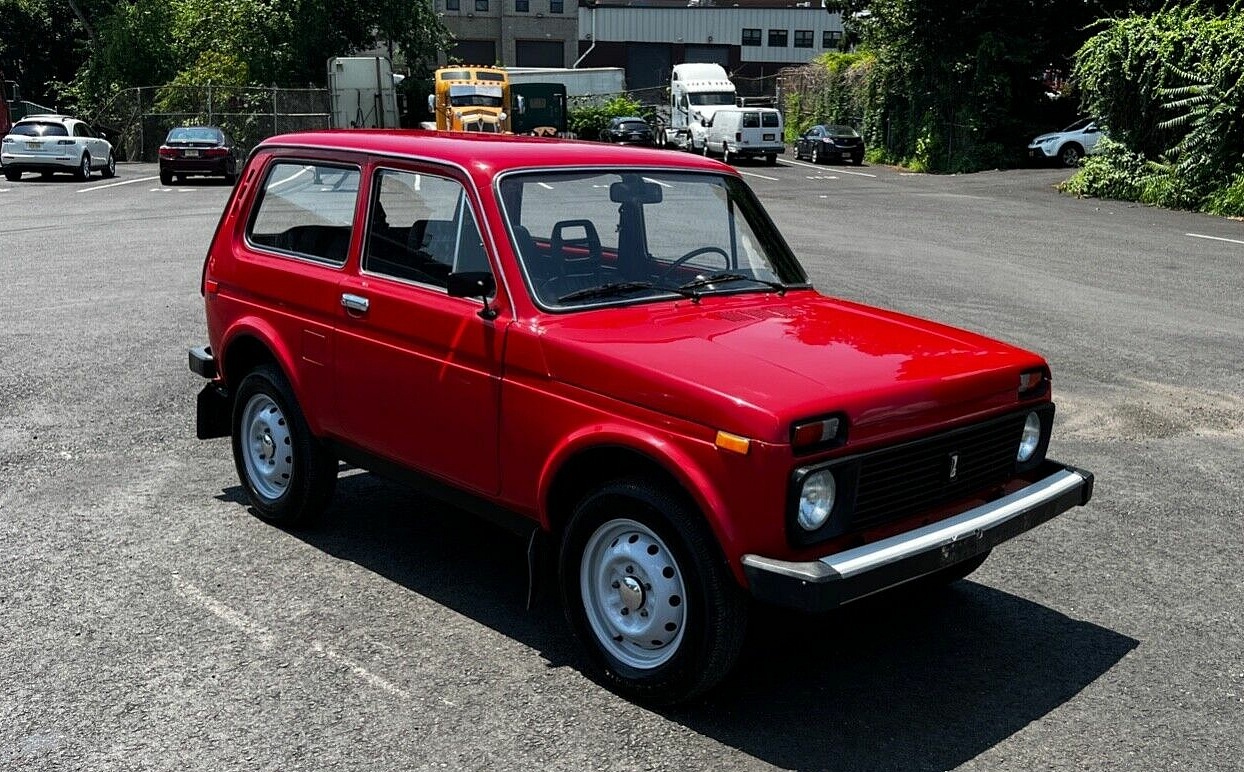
{"x": 474, "y": 284}
{"x": 432, "y": 103}
{"x": 522, "y": 104}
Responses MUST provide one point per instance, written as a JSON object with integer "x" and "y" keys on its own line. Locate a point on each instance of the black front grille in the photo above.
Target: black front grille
{"x": 900, "y": 481}
{"x": 893, "y": 483}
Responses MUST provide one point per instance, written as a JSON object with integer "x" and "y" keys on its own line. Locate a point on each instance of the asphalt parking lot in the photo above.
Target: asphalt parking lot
{"x": 148, "y": 622}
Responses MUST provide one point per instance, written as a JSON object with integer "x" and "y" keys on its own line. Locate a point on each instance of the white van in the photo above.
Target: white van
{"x": 745, "y": 132}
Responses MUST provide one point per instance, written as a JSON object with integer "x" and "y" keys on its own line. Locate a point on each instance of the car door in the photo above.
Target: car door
{"x": 1089, "y": 137}
{"x": 418, "y": 372}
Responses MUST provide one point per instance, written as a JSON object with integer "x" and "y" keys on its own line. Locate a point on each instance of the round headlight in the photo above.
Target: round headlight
{"x": 816, "y": 499}
{"x": 1030, "y": 439}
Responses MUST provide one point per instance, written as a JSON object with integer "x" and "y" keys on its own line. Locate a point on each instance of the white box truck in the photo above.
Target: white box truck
{"x": 362, "y": 93}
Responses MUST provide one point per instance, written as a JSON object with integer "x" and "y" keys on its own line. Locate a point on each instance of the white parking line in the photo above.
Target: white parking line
{"x": 761, "y": 176}
{"x": 821, "y": 177}
{"x": 1213, "y": 238}
{"x": 115, "y": 184}
{"x": 816, "y": 166}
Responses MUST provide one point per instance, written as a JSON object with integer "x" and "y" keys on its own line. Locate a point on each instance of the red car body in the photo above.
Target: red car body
{"x": 520, "y": 406}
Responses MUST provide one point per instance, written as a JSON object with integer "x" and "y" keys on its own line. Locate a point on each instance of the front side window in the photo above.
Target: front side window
{"x": 607, "y": 237}
{"x": 306, "y": 210}
{"x": 751, "y": 37}
{"x": 777, "y": 38}
{"x": 421, "y": 229}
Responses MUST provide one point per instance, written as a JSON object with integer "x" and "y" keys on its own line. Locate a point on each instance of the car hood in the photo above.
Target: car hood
{"x": 1046, "y": 137}
{"x": 753, "y": 364}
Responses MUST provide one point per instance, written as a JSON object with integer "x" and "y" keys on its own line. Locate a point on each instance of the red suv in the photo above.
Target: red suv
{"x": 615, "y": 351}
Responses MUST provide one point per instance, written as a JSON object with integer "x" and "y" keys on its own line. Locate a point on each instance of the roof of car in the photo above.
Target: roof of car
{"x": 46, "y": 117}
{"x": 491, "y": 153}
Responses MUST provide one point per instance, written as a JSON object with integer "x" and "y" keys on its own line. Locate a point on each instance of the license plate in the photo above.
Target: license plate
{"x": 192, "y": 154}
{"x": 34, "y": 145}
{"x": 769, "y": 137}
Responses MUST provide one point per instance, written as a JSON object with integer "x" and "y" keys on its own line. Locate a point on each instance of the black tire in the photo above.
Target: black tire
{"x": 816, "y": 154}
{"x": 288, "y": 475}
{"x": 1070, "y": 154}
{"x": 725, "y": 153}
{"x": 83, "y": 172}
{"x": 110, "y": 168}
{"x": 12, "y": 175}
{"x": 682, "y": 592}
{"x": 705, "y": 148}
{"x": 771, "y": 159}
{"x": 857, "y": 160}
{"x": 166, "y": 178}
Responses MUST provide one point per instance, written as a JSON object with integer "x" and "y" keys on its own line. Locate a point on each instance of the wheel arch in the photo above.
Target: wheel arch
{"x": 597, "y": 457}
{"x": 253, "y": 343}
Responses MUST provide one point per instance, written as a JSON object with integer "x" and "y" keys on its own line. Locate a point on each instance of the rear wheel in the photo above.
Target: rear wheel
{"x": 166, "y": 178}
{"x": 12, "y": 175}
{"x": 648, "y": 593}
{"x": 288, "y": 475}
{"x": 83, "y": 171}
{"x": 771, "y": 159}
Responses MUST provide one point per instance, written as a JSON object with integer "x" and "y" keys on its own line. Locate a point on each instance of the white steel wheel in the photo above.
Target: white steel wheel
{"x": 267, "y": 447}
{"x": 633, "y": 594}
{"x": 287, "y": 473}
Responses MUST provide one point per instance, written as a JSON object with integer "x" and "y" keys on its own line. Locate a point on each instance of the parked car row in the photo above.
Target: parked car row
{"x": 51, "y": 144}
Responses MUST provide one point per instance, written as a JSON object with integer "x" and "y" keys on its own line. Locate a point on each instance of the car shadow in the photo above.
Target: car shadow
{"x": 911, "y": 681}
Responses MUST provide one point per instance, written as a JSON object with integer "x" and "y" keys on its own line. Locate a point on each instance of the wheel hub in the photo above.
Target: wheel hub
{"x": 633, "y": 593}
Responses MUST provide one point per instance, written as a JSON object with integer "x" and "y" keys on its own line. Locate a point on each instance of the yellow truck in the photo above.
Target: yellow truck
{"x": 471, "y": 98}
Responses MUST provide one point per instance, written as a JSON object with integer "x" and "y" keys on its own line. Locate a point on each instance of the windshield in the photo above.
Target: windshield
{"x": 626, "y": 236}
{"x": 40, "y": 130}
{"x": 712, "y": 98}
{"x": 1080, "y": 124}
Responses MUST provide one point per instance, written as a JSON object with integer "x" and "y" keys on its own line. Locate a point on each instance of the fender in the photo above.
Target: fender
{"x": 263, "y": 332}
{"x": 672, "y": 458}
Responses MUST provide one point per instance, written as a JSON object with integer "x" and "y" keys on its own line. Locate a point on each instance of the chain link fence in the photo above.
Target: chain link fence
{"x": 138, "y": 119}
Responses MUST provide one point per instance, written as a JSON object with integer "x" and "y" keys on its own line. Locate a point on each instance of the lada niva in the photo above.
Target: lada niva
{"x": 614, "y": 350}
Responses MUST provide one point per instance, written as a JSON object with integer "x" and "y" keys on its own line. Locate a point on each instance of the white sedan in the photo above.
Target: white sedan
{"x": 1069, "y": 145}
{"x": 55, "y": 143}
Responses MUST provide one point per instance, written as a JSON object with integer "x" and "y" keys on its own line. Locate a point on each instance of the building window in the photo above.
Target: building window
{"x": 831, "y": 38}
{"x": 481, "y": 5}
{"x": 522, "y": 6}
{"x": 751, "y": 37}
{"x": 803, "y": 38}
{"x": 451, "y": 5}
{"x": 777, "y": 38}
{"x": 557, "y": 6}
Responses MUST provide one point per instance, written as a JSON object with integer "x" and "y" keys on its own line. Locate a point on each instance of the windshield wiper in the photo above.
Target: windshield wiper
{"x": 726, "y": 277}
{"x": 609, "y": 290}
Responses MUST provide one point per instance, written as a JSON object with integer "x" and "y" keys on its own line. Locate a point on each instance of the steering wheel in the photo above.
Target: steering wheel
{"x": 694, "y": 253}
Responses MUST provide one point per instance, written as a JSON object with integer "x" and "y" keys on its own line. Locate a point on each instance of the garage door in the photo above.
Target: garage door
{"x": 540, "y": 53}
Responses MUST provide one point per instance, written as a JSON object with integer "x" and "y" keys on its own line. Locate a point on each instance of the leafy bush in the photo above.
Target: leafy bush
{"x": 1115, "y": 172}
{"x": 589, "y": 120}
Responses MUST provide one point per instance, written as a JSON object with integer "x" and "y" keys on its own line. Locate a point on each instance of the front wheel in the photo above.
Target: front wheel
{"x": 725, "y": 153}
{"x": 110, "y": 168}
{"x": 816, "y": 154}
{"x": 648, "y": 593}
{"x": 1070, "y": 154}
{"x": 288, "y": 475}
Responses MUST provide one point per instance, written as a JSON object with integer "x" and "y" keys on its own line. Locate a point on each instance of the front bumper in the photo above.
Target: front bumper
{"x": 837, "y": 579}
{"x": 1038, "y": 152}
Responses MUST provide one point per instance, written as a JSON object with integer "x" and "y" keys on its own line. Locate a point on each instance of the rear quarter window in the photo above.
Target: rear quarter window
{"x": 306, "y": 210}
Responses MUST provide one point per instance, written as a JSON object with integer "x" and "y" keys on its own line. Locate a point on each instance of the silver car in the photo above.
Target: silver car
{"x": 55, "y": 143}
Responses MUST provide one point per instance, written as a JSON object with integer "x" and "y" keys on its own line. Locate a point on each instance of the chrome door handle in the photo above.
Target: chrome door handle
{"x": 354, "y": 302}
